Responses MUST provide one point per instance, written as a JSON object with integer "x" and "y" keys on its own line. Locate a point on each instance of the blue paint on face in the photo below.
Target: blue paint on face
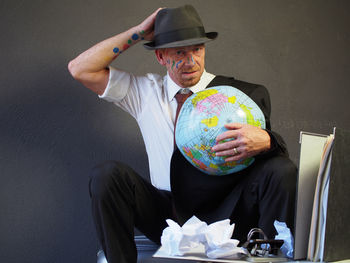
{"x": 178, "y": 63}
{"x": 116, "y": 50}
{"x": 192, "y": 60}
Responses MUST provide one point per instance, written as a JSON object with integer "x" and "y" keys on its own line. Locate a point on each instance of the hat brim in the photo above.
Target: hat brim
{"x": 183, "y": 43}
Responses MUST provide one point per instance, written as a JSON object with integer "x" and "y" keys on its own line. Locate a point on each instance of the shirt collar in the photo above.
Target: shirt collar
{"x": 173, "y": 88}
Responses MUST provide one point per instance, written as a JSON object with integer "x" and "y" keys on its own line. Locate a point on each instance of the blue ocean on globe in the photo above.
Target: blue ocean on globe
{"x": 202, "y": 119}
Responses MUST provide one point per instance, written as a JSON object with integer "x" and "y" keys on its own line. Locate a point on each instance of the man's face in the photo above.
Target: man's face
{"x": 185, "y": 65}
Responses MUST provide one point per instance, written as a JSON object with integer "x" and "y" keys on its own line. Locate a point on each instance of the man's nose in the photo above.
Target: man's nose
{"x": 189, "y": 60}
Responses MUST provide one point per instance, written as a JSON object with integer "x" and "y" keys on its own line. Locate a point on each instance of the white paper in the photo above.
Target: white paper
{"x": 319, "y": 212}
{"x": 216, "y": 238}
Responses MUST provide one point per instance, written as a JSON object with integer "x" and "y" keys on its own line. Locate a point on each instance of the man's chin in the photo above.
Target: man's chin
{"x": 190, "y": 82}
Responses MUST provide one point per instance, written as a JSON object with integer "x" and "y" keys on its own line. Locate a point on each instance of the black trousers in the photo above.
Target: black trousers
{"x": 122, "y": 200}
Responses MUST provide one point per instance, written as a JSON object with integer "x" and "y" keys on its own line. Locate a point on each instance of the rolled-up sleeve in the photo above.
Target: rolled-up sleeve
{"x": 131, "y": 93}
{"x": 118, "y": 85}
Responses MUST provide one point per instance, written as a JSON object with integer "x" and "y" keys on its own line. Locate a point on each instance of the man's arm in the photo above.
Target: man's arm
{"x": 91, "y": 67}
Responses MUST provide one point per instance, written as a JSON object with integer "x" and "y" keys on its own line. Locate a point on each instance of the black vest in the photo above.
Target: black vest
{"x": 212, "y": 198}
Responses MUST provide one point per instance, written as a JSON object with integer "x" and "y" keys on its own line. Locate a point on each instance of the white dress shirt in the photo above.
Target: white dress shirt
{"x": 150, "y": 99}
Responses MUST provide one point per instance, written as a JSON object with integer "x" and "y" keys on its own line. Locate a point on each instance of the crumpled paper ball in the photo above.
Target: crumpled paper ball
{"x": 177, "y": 240}
{"x": 216, "y": 238}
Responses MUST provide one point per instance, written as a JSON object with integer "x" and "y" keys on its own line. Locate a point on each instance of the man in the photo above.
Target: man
{"x": 121, "y": 199}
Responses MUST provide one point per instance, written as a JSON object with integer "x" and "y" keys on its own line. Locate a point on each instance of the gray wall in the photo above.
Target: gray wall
{"x": 53, "y": 130}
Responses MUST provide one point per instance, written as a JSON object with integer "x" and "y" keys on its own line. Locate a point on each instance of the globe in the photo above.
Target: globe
{"x": 202, "y": 118}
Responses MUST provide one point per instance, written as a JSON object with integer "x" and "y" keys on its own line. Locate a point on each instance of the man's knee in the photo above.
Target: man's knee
{"x": 104, "y": 175}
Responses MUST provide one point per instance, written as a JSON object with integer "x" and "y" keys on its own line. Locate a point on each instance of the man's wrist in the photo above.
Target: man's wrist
{"x": 268, "y": 141}
{"x": 133, "y": 36}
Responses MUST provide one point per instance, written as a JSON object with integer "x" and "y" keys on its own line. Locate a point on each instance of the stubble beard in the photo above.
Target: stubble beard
{"x": 191, "y": 81}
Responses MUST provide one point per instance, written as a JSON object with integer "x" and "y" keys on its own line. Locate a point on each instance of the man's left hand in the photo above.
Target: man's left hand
{"x": 241, "y": 141}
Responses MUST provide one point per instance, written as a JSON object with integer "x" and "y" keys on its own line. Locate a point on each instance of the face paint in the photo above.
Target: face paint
{"x": 177, "y": 64}
{"x": 185, "y": 65}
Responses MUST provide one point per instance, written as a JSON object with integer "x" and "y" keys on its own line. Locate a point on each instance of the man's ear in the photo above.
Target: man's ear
{"x": 160, "y": 56}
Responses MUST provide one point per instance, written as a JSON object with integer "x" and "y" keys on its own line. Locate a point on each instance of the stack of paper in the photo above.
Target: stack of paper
{"x": 319, "y": 211}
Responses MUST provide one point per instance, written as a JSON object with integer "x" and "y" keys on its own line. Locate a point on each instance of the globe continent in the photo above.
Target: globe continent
{"x": 202, "y": 119}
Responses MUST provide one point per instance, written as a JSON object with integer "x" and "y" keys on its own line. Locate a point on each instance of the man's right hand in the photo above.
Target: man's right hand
{"x": 91, "y": 67}
{"x": 147, "y": 26}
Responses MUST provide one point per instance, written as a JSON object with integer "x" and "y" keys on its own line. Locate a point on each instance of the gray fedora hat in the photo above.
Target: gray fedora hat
{"x": 178, "y": 27}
